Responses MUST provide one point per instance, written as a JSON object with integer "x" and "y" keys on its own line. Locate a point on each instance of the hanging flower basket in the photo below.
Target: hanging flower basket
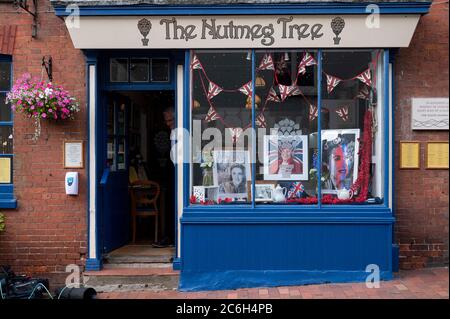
{"x": 41, "y": 100}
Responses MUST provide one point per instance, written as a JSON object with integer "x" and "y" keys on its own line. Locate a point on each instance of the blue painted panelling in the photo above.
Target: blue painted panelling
{"x": 224, "y": 280}
{"x": 293, "y": 249}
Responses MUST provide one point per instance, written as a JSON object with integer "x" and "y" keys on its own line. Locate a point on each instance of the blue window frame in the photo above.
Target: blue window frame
{"x": 378, "y": 60}
{"x": 7, "y": 199}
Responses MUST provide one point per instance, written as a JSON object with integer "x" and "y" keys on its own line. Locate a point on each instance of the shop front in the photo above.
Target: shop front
{"x": 283, "y": 140}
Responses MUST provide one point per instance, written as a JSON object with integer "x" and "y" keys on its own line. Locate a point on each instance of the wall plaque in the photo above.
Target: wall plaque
{"x": 429, "y": 114}
{"x": 437, "y": 155}
{"x": 409, "y": 155}
{"x": 73, "y": 154}
{"x": 5, "y": 170}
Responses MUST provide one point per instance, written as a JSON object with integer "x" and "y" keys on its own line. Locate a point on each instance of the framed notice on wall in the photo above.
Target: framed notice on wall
{"x": 437, "y": 155}
{"x": 409, "y": 155}
{"x": 429, "y": 114}
{"x": 73, "y": 154}
{"x": 5, "y": 170}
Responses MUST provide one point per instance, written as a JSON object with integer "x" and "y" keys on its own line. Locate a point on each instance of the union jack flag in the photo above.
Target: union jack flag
{"x": 307, "y": 60}
{"x": 313, "y": 112}
{"x": 273, "y": 96}
{"x": 342, "y": 112}
{"x": 212, "y": 115}
{"x": 246, "y": 88}
{"x": 213, "y": 90}
{"x": 364, "y": 94}
{"x": 296, "y": 190}
{"x": 195, "y": 64}
{"x": 295, "y": 90}
{"x": 365, "y": 77}
{"x": 235, "y": 133}
{"x": 332, "y": 81}
{"x": 261, "y": 121}
{"x": 266, "y": 63}
{"x": 287, "y": 90}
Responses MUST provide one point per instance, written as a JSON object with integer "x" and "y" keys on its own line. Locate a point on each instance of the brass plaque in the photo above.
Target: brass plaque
{"x": 409, "y": 155}
{"x": 437, "y": 155}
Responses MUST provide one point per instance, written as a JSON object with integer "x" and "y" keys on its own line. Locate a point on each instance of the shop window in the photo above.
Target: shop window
{"x": 221, "y": 123}
{"x": 160, "y": 70}
{"x": 6, "y": 136}
{"x": 275, "y": 146}
{"x": 138, "y": 70}
{"x": 119, "y": 70}
{"x": 349, "y": 105}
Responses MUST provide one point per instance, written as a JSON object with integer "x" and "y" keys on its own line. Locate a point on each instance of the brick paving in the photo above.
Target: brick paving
{"x": 431, "y": 283}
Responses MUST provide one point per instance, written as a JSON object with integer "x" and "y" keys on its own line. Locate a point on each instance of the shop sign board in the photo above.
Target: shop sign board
{"x": 246, "y": 31}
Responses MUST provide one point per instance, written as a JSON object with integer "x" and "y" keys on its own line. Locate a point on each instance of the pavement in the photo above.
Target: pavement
{"x": 430, "y": 283}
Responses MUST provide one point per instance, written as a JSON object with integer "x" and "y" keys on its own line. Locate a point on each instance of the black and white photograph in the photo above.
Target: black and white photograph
{"x": 231, "y": 171}
{"x": 263, "y": 191}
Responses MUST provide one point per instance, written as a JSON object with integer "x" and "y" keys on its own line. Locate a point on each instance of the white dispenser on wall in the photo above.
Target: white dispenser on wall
{"x": 71, "y": 182}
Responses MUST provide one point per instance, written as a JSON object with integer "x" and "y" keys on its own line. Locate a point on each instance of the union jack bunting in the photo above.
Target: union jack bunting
{"x": 313, "y": 112}
{"x": 195, "y": 64}
{"x": 332, "y": 81}
{"x": 295, "y": 90}
{"x": 213, "y": 90}
{"x": 266, "y": 63}
{"x": 261, "y": 121}
{"x": 212, "y": 115}
{"x": 364, "y": 94}
{"x": 287, "y": 90}
{"x": 342, "y": 112}
{"x": 246, "y": 88}
{"x": 307, "y": 60}
{"x": 235, "y": 133}
{"x": 365, "y": 77}
{"x": 296, "y": 190}
{"x": 273, "y": 96}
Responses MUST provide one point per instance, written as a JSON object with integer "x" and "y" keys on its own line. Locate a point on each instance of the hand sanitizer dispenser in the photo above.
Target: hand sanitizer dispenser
{"x": 71, "y": 183}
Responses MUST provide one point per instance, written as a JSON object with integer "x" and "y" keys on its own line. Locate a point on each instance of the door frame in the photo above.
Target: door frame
{"x": 97, "y": 86}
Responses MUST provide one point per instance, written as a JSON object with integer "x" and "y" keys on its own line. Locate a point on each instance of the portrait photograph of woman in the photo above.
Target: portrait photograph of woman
{"x": 231, "y": 172}
{"x": 339, "y": 159}
{"x": 285, "y": 157}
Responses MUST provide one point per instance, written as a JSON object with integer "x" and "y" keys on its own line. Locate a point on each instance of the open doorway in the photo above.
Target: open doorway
{"x": 139, "y": 192}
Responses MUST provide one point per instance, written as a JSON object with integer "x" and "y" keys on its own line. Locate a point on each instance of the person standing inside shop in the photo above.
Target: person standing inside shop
{"x": 168, "y": 185}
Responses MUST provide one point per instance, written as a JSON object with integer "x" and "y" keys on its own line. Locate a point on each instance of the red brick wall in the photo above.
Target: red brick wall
{"x": 422, "y": 195}
{"x": 48, "y": 230}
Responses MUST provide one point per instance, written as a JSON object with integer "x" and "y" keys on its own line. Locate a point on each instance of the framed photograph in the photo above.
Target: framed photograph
{"x": 409, "y": 155}
{"x": 285, "y": 157}
{"x": 340, "y": 159}
{"x": 263, "y": 190}
{"x": 437, "y": 155}
{"x": 205, "y": 192}
{"x": 73, "y": 154}
{"x": 231, "y": 171}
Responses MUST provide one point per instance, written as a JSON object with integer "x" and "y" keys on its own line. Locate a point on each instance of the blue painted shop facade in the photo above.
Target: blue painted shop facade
{"x": 243, "y": 244}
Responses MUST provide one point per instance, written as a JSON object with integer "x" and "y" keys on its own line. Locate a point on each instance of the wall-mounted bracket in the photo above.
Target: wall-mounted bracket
{"x": 47, "y": 64}
{"x": 24, "y": 6}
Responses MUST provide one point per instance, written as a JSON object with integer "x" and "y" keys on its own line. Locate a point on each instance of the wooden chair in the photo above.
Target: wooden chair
{"x": 144, "y": 198}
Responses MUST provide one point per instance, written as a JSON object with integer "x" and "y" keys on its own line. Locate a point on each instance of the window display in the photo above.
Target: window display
{"x": 292, "y": 150}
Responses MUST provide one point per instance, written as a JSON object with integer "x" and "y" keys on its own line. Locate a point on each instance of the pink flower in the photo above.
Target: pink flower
{"x": 44, "y": 115}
